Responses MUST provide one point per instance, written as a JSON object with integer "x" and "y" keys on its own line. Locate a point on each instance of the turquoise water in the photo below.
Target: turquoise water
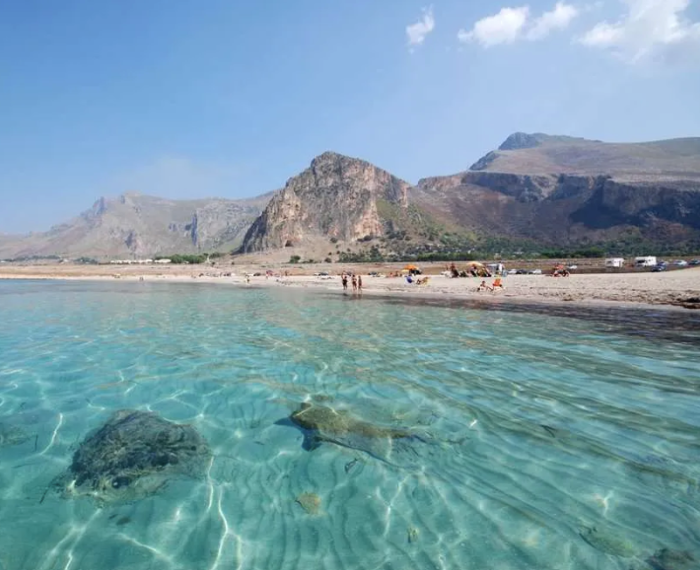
{"x": 546, "y": 442}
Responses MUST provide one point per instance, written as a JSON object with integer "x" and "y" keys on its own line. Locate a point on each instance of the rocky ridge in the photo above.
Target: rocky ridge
{"x": 535, "y": 188}
{"x": 135, "y": 225}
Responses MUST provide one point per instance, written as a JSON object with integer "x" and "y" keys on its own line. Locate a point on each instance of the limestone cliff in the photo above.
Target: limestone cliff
{"x": 336, "y": 197}
{"x": 547, "y": 190}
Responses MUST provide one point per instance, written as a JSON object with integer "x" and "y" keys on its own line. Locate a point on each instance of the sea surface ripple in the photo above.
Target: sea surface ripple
{"x": 545, "y": 440}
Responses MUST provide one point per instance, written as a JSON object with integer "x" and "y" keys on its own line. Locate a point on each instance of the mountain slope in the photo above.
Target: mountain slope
{"x": 542, "y": 190}
{"x": 566, "y": 191}
{"x": 544, "y": 154}
{"x": 336, "y": 197}
{"x": 143, "y": 226}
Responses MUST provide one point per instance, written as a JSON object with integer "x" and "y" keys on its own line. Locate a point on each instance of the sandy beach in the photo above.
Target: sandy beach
{"x": 672, "y": 288}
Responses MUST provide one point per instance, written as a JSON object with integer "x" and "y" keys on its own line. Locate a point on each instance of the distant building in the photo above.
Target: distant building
{"x": 131, "y": 261}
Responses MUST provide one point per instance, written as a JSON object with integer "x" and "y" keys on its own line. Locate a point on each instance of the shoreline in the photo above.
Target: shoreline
{"x": 660, "y": 291}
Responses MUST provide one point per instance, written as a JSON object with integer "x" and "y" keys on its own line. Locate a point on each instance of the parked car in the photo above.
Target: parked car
{"x": 535, "y": 272}
{"x": 521, "y": 272}
{"x": 571, "y": 267}
{"x": 695, "y": 262}
{"x": 660, "y": 267}
{"x": 680, "y": 263}
{"x": 512, "y": 272}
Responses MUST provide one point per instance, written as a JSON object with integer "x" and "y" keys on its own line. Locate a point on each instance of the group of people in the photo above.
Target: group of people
{"x": 497, "y": 284}
{"x": 474, "y": 271}
{"x": 355, "y": 280}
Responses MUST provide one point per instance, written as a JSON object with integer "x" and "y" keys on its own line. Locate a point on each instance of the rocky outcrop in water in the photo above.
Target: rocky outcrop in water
{"x": 133, "y": 455}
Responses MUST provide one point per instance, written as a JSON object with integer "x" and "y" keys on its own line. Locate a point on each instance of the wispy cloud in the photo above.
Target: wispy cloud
{"x": 557, "y": 19}
{"x": 513, "y": 24}
{"x": 417, "y": 32}
{"x": 649, "y": 29}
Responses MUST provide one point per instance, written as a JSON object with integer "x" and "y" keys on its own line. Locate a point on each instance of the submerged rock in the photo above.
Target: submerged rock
{"x": 607, "y": 542}
{"x": 10, "y": 435}
{"x": 667, "y": 559}
{"x": 323, "y": 424}
{"x": 310, "y": 502}
{"x": 133, "y": 455}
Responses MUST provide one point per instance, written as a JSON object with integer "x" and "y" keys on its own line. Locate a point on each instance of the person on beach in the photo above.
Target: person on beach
{"x": 354, "y": 283}
{"x": 344, "y": 279}
{"x": 483, "y": 287}
{"x": 359, "y": 284}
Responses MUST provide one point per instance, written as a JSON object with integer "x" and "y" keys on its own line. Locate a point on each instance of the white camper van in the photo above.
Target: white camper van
{"x": 615, "y": 262}
{"x": 647, "y": 261}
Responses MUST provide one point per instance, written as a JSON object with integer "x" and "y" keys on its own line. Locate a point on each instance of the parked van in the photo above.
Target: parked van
{"x": 615, "y": 262}
{"x": 647, "y": 261}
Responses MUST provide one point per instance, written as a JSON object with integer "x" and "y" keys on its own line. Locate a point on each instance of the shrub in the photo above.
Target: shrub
{"x": 295, "y": 259}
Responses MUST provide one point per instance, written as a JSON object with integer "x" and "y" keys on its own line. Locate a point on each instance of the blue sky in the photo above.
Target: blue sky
{"x": 189, "y": 99}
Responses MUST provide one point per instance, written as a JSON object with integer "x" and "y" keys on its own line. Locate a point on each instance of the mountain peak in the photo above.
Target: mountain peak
{"x": 329, "y": 157}
{"x": 519, "y": 140}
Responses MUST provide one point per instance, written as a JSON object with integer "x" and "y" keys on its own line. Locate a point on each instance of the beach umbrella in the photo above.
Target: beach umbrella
{"x": 411, "y": 267}
{"x": 477, "y": 263}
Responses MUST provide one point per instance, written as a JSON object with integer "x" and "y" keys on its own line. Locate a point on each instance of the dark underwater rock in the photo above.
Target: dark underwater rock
{"x": 10, "y": 435}
{"x": 323, "y": 424}
{"x": 133, "y": 455}
{"x": 667, "y": 559}
{"x": 608, "y": 542}
{"x": 329, "y": 422}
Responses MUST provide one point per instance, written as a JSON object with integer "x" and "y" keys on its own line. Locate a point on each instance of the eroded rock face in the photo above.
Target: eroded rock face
{"x": 336, "y": 197}
{"x": 133, "y": 455}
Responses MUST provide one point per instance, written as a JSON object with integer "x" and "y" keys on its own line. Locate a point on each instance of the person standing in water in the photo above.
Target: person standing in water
{"x": 345, "y": 282}
{"x": 359, "y": 284}
{"x": 354, "y": 283}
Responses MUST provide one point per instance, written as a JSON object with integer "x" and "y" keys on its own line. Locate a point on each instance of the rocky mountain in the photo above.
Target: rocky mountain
{"x": 337, "y": 197}
{"x": 565, "y": 191}
{"x": 135, "y": 225}
{"x": 536, "y": 189}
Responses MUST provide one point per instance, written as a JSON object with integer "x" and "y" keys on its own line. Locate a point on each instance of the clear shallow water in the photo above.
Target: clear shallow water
{"x": 535, "y": 428}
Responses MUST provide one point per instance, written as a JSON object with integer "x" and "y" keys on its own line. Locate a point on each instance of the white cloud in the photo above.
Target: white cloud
{"x": 557, "y": 19}
{"x": 513, "y": 24}
{"x": 650, "y": 28}
{"x": 419, "y": 31}
{"x": 503, "y": 28}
